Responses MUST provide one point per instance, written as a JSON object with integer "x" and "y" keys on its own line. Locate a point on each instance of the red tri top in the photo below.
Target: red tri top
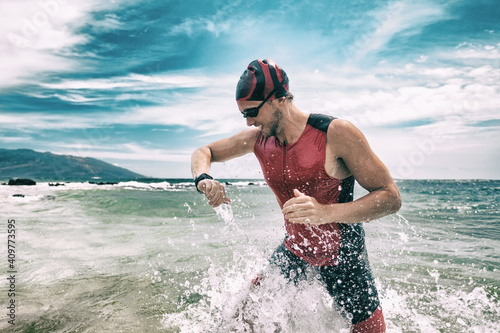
{"x": 301, "y": 166}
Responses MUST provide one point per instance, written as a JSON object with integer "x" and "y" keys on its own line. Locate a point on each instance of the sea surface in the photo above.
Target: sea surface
{"x": 152, "y": 256}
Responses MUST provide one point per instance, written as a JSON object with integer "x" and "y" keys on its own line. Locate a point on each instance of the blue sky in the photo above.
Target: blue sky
{"x": 141, "y": 84}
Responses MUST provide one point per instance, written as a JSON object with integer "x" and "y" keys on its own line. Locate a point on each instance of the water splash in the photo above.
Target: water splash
{"x": 225, "y": 212}
{"x": 460, "y": 311}
{"x": 231, "y": 303}
{"x": 188, "y": 207}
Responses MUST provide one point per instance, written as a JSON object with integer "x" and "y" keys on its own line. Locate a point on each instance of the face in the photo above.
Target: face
{"x": 268, "y": 118}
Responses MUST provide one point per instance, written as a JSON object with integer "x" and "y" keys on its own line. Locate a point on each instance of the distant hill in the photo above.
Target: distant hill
{"x": 27, "y": 163}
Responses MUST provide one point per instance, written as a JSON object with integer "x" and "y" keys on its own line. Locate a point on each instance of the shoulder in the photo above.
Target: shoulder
{"x": 337, "y": 130}
{"x": 342, "y": 129}
{"x": 320, "y": 121}
{"x": 343, "y": 136}
{"x": 333, "y": 126}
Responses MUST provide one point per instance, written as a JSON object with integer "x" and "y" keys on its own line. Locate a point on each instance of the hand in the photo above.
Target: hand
{"x": 304, "y": 209}
{"x": 214, "y": 191}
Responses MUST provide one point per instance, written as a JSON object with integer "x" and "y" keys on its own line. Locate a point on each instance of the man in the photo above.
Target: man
{"x": 310, "y": 161}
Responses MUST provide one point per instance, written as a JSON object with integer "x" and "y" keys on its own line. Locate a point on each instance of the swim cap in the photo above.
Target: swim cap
{"x": 259, "y": 79}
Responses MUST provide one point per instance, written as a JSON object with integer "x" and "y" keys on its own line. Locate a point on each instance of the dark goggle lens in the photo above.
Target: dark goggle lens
{"x": 252, "y": 113}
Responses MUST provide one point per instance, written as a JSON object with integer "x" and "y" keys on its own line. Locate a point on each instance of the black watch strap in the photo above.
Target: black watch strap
{"x": 200, "y": 178}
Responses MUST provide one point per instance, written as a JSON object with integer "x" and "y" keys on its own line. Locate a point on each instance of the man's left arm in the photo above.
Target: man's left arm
{"x": 350, "y": 145}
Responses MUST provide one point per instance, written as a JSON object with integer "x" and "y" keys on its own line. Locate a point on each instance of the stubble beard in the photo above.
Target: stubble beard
{"x": 275, "y": 124}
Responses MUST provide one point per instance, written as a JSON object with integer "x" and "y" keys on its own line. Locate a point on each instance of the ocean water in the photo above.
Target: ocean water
{"x": 152, "y": 256}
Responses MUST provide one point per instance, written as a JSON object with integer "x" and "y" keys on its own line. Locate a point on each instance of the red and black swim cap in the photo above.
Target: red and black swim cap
{"x": 259, "y": 79}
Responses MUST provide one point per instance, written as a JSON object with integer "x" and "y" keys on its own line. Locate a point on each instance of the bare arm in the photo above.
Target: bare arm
{"x": 220, "y": 151}
{"x": 350, "y": 146}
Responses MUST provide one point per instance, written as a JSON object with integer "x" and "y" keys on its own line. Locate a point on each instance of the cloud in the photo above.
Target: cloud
{"x": 14, "y": 139}
{"x": 202, "y": 112}
{"x": 191, "y": 27}
{"x": 44, "y": 121}
{"x": 400, "y": 18}
{"x": 475, "y": 54}
{"x": 414, "y": 102}
{"x": 32, "y": 34}
{"x": 127, "y": 151}
{"x": 40, "y": 36}
{"x": 134, "y": 82}
{"x": 223, "y": 20}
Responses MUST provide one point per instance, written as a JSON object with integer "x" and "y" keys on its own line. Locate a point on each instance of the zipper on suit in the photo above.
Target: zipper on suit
{"x": 284, "y": 171}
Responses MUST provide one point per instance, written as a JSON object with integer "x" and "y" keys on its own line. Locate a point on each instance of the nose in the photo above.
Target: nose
{"x": 250, "y": 121}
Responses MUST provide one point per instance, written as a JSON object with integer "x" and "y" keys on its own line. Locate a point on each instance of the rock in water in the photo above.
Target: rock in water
{"x": 21, "y": 181}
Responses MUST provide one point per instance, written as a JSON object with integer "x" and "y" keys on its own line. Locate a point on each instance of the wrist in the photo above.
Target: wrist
{"x": 326, "y": 214}
{"x": 199, "y": 179}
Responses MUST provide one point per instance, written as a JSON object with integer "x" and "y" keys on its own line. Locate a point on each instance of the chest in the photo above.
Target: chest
{"x": 299, "y": 166}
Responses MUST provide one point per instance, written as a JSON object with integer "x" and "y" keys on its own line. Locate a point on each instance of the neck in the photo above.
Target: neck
{"x": 293, "y": 124}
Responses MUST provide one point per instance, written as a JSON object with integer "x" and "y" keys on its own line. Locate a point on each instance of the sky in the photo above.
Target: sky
{"x": 141, "y": 84}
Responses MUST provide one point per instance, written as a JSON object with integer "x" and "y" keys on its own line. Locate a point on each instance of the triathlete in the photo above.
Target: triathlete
{"x": 310, "y": 161}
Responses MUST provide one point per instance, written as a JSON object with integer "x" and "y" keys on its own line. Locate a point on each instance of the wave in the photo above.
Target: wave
{"x": 32, "y": 192}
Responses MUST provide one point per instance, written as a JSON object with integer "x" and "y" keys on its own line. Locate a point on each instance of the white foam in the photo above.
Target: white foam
{"x": 444, "y": 309}
{"x": 231, "y": 304}
{"x": 42, "y": 188}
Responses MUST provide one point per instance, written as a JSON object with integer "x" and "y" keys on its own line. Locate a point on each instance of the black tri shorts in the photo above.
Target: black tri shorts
{"x": 351, "y": 285}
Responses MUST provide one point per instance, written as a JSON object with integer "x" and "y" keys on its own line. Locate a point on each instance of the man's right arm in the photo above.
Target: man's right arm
{"x": 220, "y": 151}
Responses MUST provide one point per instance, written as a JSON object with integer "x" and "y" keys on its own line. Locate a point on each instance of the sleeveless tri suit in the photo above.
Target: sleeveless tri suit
{"x": 336, "y": 251}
